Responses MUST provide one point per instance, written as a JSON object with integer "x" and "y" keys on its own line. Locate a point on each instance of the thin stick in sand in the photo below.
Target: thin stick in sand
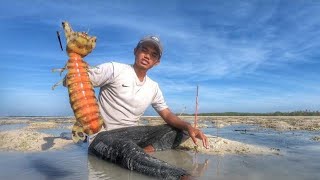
{"x": 196, "y": 111}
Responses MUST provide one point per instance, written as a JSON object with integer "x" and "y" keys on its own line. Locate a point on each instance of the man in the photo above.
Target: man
{"x": 126, "y": 91}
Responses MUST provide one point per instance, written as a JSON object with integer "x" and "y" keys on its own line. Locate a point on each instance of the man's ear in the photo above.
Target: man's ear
{"x": 134, "y": 51}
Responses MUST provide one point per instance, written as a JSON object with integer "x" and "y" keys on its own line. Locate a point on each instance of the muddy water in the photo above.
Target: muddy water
{"x": 298, "y": 159}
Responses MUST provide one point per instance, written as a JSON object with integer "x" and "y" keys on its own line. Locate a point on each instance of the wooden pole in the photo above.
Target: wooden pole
{"x": 196, "y": 111}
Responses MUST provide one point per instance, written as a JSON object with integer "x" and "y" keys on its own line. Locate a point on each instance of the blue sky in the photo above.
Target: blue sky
{"x": 246, "y": 56}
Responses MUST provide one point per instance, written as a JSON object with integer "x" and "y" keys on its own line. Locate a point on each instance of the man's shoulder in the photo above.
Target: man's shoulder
{"x": 121, "y": 66}
{"x": 152, "y": 82}
{"x": 121, "y": 70}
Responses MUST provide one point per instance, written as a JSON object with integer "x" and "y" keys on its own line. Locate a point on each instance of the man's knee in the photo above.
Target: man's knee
{"x": 149, "y": 149}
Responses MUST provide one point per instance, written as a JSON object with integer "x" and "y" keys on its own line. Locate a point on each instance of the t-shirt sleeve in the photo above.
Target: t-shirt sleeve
{"x": 102, "y": 74}
{"x": 158, "y": 102}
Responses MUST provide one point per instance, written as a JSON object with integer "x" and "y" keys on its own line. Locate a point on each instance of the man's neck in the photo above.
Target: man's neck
{"x": 141, "y": 73}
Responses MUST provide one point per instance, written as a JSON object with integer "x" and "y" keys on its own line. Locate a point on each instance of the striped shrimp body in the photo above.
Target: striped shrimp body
{"x": 82, "y": 96}
{"x": 81, "y": 93}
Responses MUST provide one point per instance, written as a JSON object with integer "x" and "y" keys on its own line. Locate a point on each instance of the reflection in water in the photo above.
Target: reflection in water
{"x": 198, "y": 169}
{"x": 50, "y": 170}
{"x": 70, "y": 163}
{"x": 100, "y": 169}
{"x": 49, "y": 143}
{"x": 50, "y": 140}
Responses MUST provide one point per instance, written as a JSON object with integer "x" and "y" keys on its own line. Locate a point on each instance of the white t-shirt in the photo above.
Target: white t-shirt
{"x": 123, "y": 98}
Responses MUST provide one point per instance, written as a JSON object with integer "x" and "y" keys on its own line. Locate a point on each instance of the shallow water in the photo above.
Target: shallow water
{"x": 55, "y": 131}
{"x": 66, "y": 164}
{"x": 8, "y": 127}
{"x": 299, "y": 159}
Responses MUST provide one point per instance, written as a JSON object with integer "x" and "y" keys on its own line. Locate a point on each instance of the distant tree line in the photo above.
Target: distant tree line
{"x": 277, "y": 113}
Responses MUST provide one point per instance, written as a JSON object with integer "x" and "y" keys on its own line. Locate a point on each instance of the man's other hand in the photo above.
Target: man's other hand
{"x": 195, "y": 133}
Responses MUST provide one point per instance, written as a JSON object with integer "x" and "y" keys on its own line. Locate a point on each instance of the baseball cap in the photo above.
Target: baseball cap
{"x": 154, "y": 40}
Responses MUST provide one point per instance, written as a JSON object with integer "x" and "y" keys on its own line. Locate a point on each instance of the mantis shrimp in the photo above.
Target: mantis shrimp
{"x": 81, "y": 93}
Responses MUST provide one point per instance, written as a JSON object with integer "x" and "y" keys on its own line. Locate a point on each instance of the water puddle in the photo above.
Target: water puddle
{"x": 9, "y": 127}
{"x": 55, "y": 132}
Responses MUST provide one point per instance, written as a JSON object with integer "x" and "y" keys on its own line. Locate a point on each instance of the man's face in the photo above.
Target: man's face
{"x": 146, "y": 56}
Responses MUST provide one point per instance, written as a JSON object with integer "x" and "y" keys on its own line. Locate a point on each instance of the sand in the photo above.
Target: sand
{"x": 222, "y": 146}
{"x": 29, "y": 139}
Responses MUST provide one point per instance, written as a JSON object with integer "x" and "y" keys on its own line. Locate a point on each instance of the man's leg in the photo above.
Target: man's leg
{"x": 163, "y": 137}
{"x": 124, "y": 147}
{"x": 167, "y": 138}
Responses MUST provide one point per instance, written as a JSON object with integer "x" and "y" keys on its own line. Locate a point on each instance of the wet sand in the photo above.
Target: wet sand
{"x": 32, "y": 137}
{"x": 30, "y": 141}
{"x": 29, "y": 138}
{"x": 281, "y": 123}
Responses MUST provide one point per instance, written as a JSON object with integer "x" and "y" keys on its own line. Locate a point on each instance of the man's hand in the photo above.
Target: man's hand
{"x": 197, "y": 133}
{"x": 175, "y": 121}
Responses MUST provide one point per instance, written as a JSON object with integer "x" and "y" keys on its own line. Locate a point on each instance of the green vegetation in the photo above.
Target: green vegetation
{"x": 277, "y": 113}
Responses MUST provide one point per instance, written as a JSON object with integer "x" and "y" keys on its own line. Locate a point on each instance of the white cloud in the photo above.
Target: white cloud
{"x": 234, "y": 50}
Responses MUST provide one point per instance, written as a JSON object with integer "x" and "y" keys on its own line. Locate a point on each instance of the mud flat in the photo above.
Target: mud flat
{"x": 281, "y": 123}
{"x": 239, "y": 148}
{"x": 30, "y": 138}
{"x": 30, "y": 141}
{"x": 27, "y": 140}
{"x": 222, "y": 146}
